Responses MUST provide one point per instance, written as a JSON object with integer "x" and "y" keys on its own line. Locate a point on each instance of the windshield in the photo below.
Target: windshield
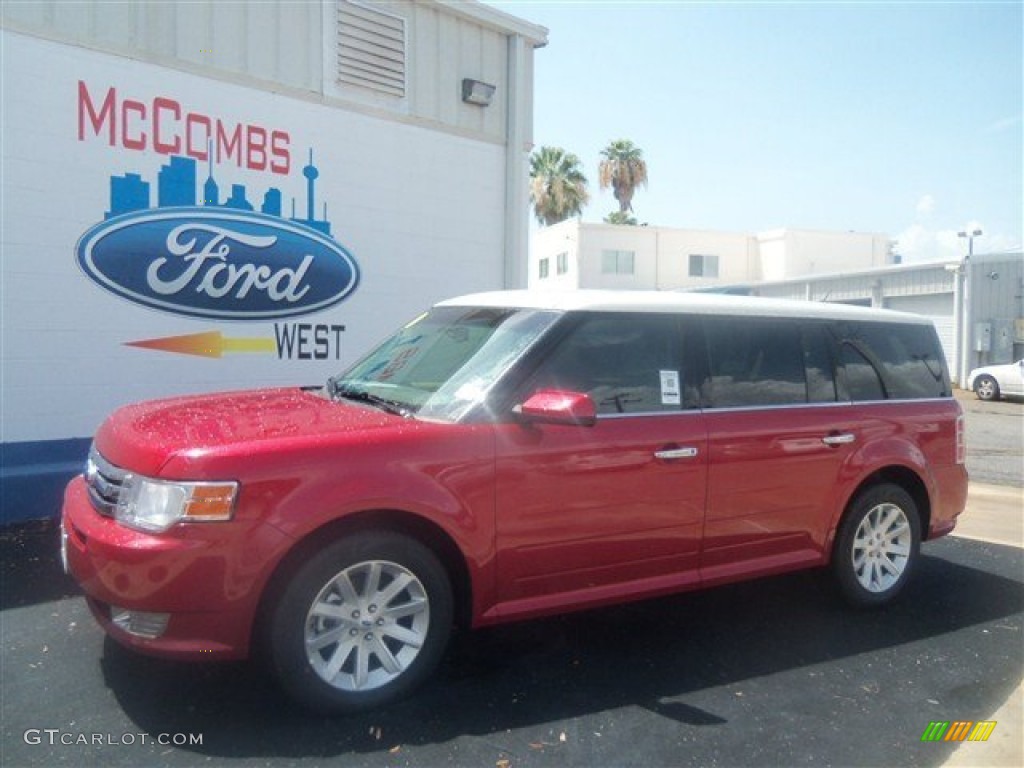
{"x": 444, "y": 362}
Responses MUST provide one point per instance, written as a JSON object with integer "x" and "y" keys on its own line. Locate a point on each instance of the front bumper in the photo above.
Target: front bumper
{"x": 207, "y": 576}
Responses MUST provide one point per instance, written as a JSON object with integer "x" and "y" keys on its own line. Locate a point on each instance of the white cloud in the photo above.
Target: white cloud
{"x": 925, "y": 205}
{"x": 1003, "y": 124}
{"x": 919, "y": 243}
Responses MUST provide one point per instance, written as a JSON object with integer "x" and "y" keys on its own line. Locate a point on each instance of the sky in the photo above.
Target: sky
{"x": 901, "y": 118}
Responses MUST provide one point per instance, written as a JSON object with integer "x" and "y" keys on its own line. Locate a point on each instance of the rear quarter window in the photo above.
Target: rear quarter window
{"x": 905, "y": 361}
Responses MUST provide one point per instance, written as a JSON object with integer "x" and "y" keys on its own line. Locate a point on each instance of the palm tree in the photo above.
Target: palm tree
{"x": 620, "y": 218}
{"x": 558, "y": 188}
{"x": 623, "y": 169}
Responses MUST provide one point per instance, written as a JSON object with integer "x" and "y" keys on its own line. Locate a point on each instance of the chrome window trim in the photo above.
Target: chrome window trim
{"x": 647, "y": 414}
{"x": 837, "y": 404}
{"x": 736, "y": 409}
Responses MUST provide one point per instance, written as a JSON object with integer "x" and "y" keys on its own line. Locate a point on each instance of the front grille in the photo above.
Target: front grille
{"x": 105, "y": 482}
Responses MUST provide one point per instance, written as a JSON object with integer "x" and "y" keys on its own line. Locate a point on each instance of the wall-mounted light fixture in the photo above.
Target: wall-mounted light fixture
{"x": 476, "y": 92}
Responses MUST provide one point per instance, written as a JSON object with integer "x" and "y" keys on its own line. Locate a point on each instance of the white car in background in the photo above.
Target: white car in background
{"x": 995, "y": 381}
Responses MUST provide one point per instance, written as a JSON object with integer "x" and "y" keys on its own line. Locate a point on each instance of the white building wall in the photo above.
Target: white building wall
{"x": 415, "y": 241}
{"x": 675, "y": 246}
{"x": 597, "y": 239}
{"x": 417, "y": 189}
{"x": 663, "y": 255}
{"x": 169, "y": 168}
{"x": 546, "y": 245}
{"x": 788, "y": 253}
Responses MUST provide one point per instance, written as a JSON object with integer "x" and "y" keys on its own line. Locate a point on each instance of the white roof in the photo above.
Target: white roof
{"x": 669, "y": 301}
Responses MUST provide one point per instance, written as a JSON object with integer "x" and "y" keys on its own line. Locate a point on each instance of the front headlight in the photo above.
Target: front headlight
{"x": 156, "y": 505}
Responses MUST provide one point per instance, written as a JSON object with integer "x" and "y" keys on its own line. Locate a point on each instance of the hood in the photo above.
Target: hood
{"x": 143, "y": 437}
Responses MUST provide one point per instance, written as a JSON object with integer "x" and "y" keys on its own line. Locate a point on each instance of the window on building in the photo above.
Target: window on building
{"x": 545, "y": 268}
{"x": 617, "y": 262}
{"x": 562, "y": 263}
{"x": 703, "y": 265}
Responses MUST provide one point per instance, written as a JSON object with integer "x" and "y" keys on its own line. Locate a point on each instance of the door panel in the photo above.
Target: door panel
{"x": 586, "y": 507}
{"x": 773, "y": 486}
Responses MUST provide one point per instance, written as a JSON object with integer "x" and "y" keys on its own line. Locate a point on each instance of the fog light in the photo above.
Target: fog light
{"x": 140, "y": 623}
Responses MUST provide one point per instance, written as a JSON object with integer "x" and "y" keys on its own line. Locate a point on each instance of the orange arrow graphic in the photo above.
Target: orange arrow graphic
{"x": 207, "y": 344}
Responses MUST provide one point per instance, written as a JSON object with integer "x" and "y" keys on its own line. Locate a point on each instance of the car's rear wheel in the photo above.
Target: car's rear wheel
{"x": 986, "y": 388}
{"x": 360, "y": 623}
{"x": 878, "y": 545}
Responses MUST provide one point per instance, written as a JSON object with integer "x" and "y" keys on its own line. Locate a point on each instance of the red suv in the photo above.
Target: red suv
{"x": 510, "y": 455}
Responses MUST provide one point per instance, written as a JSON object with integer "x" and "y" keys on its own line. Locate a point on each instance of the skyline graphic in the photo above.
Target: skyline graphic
{"x": 177, "y": 186}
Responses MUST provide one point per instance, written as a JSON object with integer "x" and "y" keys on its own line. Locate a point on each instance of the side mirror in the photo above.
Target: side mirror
{"x": 558, "y": 406}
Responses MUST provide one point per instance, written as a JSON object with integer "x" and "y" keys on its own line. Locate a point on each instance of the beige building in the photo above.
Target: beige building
{"x": 576, "y": 254}
{"x": 976, "y": 304}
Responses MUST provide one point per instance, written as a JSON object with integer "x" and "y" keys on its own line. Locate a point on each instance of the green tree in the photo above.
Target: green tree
{"x": 620, "y": 218}
{"x": 623, "y": 169}
{"x": 558, "y": 188}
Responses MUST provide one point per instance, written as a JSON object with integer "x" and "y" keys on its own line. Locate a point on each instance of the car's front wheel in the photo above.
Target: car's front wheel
{"x": 878, "y": 545}
{"x": 986, "y": 388}
{"x": 360, "y": 623}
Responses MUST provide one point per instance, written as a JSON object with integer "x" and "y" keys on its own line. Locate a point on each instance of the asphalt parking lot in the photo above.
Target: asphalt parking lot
{"x": 773, "y": 672}
{"x": 995, "y": 432}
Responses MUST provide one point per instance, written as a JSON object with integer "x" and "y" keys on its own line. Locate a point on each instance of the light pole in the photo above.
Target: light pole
{"x": 967, "y": 330}
{"x": 970, "y": 240}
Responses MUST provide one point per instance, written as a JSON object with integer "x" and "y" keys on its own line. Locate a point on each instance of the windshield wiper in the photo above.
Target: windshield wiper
{"x": 359, "y": 396}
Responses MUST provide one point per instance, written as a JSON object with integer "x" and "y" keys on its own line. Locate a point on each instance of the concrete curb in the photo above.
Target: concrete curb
{"x": 995, "y": 514}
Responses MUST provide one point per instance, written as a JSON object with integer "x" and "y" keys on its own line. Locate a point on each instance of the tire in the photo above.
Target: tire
{"x": 878, "y": 545}
{"x": 361, "y": 623}
{"x": 986, "y": 388}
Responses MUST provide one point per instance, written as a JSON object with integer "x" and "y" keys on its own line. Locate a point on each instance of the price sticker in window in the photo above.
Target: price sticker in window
{"x": 670, "y": 388}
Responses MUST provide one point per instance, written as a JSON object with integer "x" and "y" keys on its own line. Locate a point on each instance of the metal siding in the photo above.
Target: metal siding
{"x": 74, "y": 17}
{"x": 261, "y": 31}
{"x": 283, "y": 42}
{"x": 159, "y": 30}
{"x": 996, "y": 287}
{"x": 227, "y": 43}
{"x": 425, "y": 63}
{"x": 448, "y": 70}
{"x": 275, "y": 41}
{"x": 34, "y": 15}
{"x": 194, "y": 34}
{"x": 938, "y": 307}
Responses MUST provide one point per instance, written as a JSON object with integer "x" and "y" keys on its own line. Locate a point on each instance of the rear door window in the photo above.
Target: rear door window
{"x": 755, "y": 362}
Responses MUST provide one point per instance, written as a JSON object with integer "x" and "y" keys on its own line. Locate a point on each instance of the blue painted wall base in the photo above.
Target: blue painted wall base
{"x": 33, "y": 476}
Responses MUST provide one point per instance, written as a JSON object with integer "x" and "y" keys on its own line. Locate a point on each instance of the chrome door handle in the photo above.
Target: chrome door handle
{"x": 843, "y": 439}
{"x": 676, "y": 453}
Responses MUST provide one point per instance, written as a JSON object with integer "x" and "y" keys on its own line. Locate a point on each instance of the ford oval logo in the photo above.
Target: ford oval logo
{"x": 236, "y": 265}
